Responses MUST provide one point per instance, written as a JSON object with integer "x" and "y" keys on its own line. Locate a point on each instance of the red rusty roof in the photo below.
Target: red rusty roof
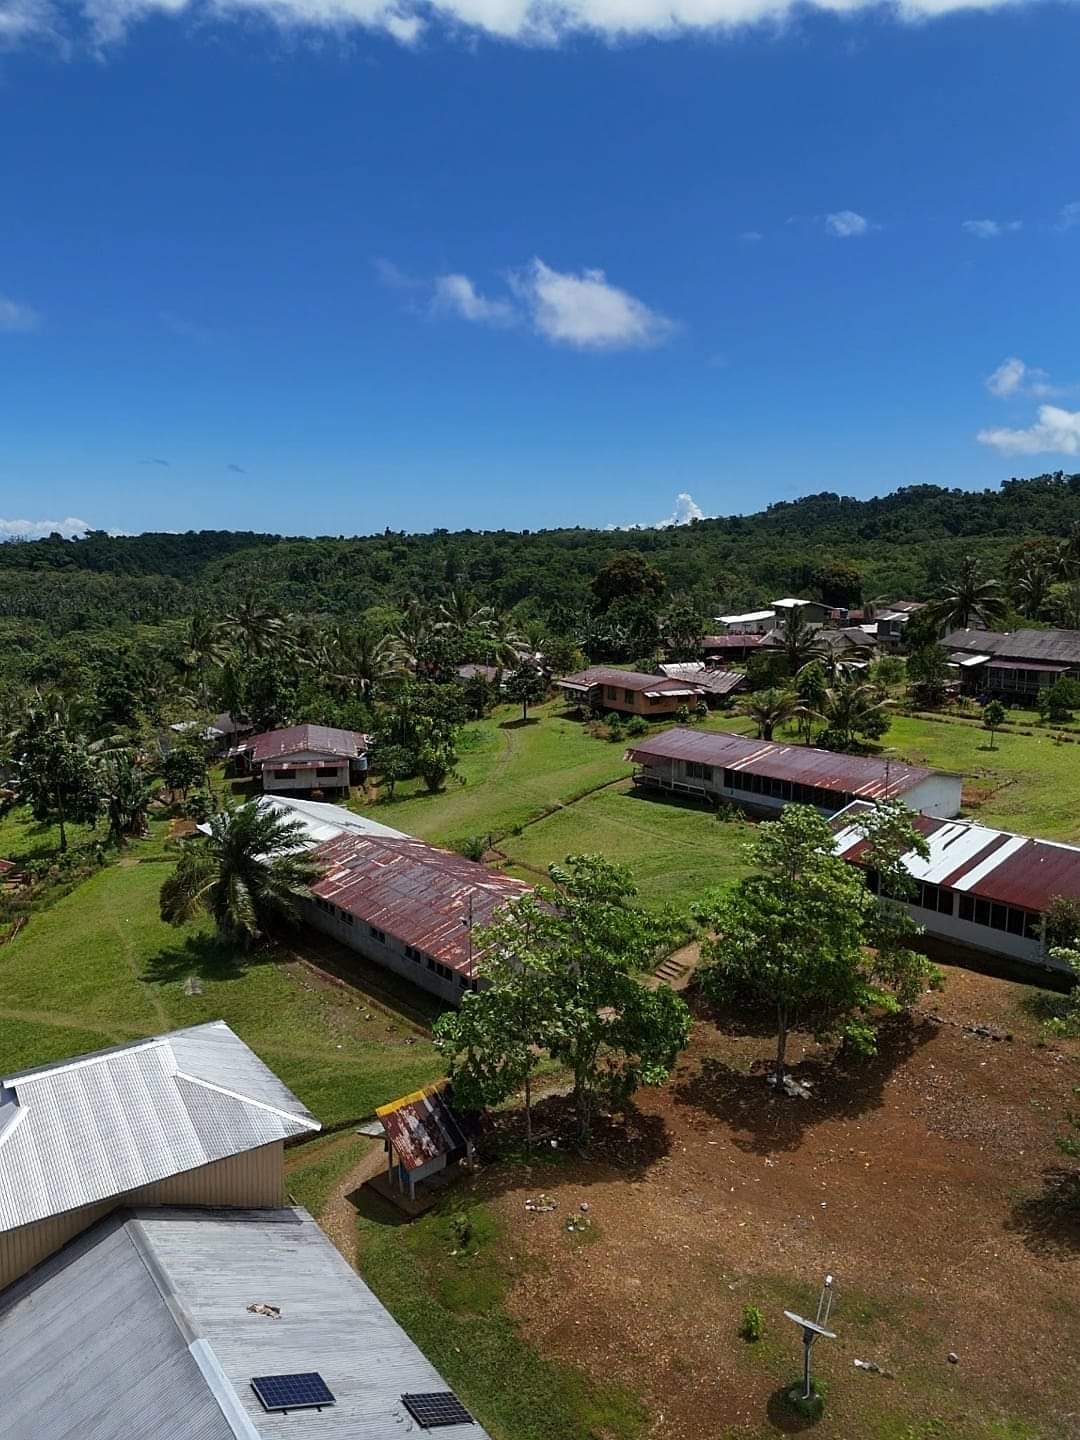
{"x": 732, "y": 642}
{"x": 858, "y": 775}
{"x": 421, "y": 1127}
{"x": 976, "y": 860}
{"x": 305, "y": 739}
{"x": 624, "y": 679}
{"x": 419, "y": 894}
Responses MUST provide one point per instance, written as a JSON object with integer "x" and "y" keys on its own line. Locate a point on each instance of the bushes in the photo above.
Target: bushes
{"x": 752, "y": 1324}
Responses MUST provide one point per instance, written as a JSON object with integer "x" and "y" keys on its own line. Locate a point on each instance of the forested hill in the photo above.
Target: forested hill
{"x": 898, "y": 544}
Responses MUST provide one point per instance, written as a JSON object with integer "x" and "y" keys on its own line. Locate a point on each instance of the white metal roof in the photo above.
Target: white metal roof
{"x": 140, "y": 1330}
{"x": 324, "y": 822}
{"x": 745, "y": 619}
{"x": 97, "y": 1126}
{"x": 790, "y": 603}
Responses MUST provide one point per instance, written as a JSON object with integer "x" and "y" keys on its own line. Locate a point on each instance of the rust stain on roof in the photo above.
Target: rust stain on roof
{"x": 421, "y": 1126}
{"x": 623, "y": 679}
{"x": 423, "y": 896}
{"x": 857, "y": 775}
{"x": 306, "y": 739}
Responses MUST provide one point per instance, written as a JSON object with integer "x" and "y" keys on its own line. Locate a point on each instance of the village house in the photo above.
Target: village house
{"x": 1015, "y": 665}
{"x": 160, "y": 1286}
{"x": 730, "y": 649}
{"x": 753, "y": 622}
{"x": 304, "y": 758}
{"x": 629, "y": 692}
{"x": 424, "y": 1141}
{"x": 763, "y": 776}
{"x": 719, "y": 685}
{"x": 979, "y": 889}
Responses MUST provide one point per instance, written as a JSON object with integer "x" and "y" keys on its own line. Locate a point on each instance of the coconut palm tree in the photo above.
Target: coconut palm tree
{"x": 413, "y": 638}
{"x": 853, "y": 709}
{"x": 261, "y": 629}
{"x": 1030, "y": 586}
{"x": 1068, "y": 556}
{"x": 505, "y": 642}
{"x": 770, "y": 709}
{"x": 249, "y": 871}
{"x": 797, "y": 640}
{"x": 970, "y": 596}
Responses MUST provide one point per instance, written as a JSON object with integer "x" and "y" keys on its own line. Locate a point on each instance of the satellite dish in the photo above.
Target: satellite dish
{"x": 811, "y": 1325}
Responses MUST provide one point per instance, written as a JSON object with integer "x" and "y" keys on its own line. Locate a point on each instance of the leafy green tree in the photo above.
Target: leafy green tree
{"x": 182, "y": 768}
{"x": 1030, "y": 586}
{"x": 791, "y": 935}
{"x": 681, "y": 629}
{"x": 494, "y": 1041}
{"x": 1057, "y": 702}
{"x": 479, "y": 695}
{"x": 929, "y": 674}
{"x": 393, "y": 763}
{"x": 54, "y": 774}
{"x": 627, "y": 575}
{"x": 797, "y": 640}
{"x": 969, "y": 596}
{"x": 838, "y": 583}
{"x": 526, "y": 685}
{"x": 561, "y": 654}
{"x": 811, "y": 688}
{"x": 993, "y": 716}
{"x": 248, "y": 872}
{"x": 436, "y": 754}
{"x": 1063, "y": 604}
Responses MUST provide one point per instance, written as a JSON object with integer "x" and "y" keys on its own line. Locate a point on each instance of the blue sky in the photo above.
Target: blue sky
{"x": 335, "y": 265}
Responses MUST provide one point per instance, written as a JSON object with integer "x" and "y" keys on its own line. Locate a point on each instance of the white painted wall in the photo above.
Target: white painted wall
{"x": 983, "y": 937}
{"x": 307, "y": 777}
{"x": 938, "y": 795}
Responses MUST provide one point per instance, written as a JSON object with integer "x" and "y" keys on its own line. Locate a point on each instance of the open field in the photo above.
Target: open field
{"x": 99, "y": 967}
{"x": 919, "y": 1179}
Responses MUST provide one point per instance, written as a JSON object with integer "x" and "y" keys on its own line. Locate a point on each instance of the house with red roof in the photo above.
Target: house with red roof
{"x": 303, "y": 759}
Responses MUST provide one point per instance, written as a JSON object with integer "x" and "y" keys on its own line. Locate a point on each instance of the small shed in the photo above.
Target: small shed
{"x": 422, "y": 1137}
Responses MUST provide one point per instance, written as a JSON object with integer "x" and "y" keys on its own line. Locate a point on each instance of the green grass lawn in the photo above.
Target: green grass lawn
{"x": 22, "y": 838}
{"x": 99, "y": 967}
{"x": 512, "y": 772}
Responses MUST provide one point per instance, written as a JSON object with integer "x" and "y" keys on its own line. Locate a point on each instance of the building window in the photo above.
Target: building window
{"x": 327, "y": 772}
{"x": 628, "y": 696}
{"x": 284, "y": 774}
{"x": 611, "y": 691}
{"x": 656, "y": 699}
{"x": 694, "y": 771}
{"x": 414, "y": 954}
{"x": 377, "y": 934}
{"x": 1012, "y": 920}
{"x": 345, "y": 917}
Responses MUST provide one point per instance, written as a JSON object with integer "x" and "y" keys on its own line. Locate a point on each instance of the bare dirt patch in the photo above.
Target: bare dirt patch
{"x": 919, "y": 1179}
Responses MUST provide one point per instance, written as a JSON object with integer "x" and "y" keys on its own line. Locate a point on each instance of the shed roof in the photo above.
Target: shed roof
{"x": 305, "y": 739}
{"x": 322, "y": 821}
{"x": 716, "y": 682}
{"x": 976, "y": 860}
{"x": 857, "y": 775}
{"x": 141, "y": 1327}
{"x": 423, "y": 896}
{"x": 732, "y": 642}
{"x": 748, "y": 618}
{"x": 623, "y": 679}
{"x": 421, "y": 1126}
{"x": 94, "y": 1127}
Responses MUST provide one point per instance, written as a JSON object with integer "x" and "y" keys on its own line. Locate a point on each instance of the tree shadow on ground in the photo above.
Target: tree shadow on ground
{"x": 624, "y": 1145}
{"x": 1048, "y": 1221}
{"x": 519, "y": 723}
{"x": 763, "y": 1122}
{"x": 205, "y": 957}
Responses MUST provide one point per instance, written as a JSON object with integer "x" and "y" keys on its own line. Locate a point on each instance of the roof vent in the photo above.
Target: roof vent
{"x": 437, "y": 1408}
{"x": 305, "y": 1391}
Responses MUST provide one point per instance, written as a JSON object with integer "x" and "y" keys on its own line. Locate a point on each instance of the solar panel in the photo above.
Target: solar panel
{"x": 439, "y": 1407}
{"x": 292, "y": 1392}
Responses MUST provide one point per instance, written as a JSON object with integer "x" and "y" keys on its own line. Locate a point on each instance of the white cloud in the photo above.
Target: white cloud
{"x": 1013, "y": 377}
{"x": 15, "y": 316}
{"x": 686, "y": 509}
{"x": 751, "y": 236}
{"x": 33, "y": 529}
{"x": 1069, "y": 216}
{"x": 1055, "y": 432}
{"x": 846, "y": 223}
{"x": 457, "y": 295}
{"x": 991, "y": 229}
{"x": 586, "y": 311}
{"x": 535, "y": 22}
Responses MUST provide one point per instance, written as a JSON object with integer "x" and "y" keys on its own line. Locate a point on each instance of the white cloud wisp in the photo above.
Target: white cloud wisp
{"x": 586, "y": 311}
{"x": 16, "y": 317}
{"x": 846, "y": 224}
{"x": 686, "y": 510}
{"x": 36, "y": 529}
{"x": 1055, "y": 432}
{"x": 99, "y": 23}
{"x": 457, "y": 295}
{"x": 991, "y": 229}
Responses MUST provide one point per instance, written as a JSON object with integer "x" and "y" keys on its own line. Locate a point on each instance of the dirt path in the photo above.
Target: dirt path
{"x": 338, "y": 1220}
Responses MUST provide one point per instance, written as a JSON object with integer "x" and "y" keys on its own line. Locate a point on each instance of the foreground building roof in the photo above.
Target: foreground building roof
{"x": 92, "y": 1128}
{"x": 421, "y": 1126}
{"x": 305, "y": 740}
{"x": 321, "y": 821}
{"x": 144, "y": 1329}
{"x": 426, "y": 897}
{"x": 860, "y": 775}
{"x": 974, "y": 859}
{"x": 1049, "y": 646}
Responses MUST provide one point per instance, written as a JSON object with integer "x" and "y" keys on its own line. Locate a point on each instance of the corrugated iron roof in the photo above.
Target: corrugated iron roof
{"x": 624, "y": 679}
{"x": 306, "y": 739}
{"x": 414, "y": 891}
{"x": 716, "y": 682}
{"x": 141, "y": 1329}
{"x": 732, "y": 642}
{"x": 1050, "y": 645}
{"x": 975, "y": 859}
{"x": 857, "y": 775}
{"x": 97, "y": 1126}
{"x": 421, "y": 1127}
